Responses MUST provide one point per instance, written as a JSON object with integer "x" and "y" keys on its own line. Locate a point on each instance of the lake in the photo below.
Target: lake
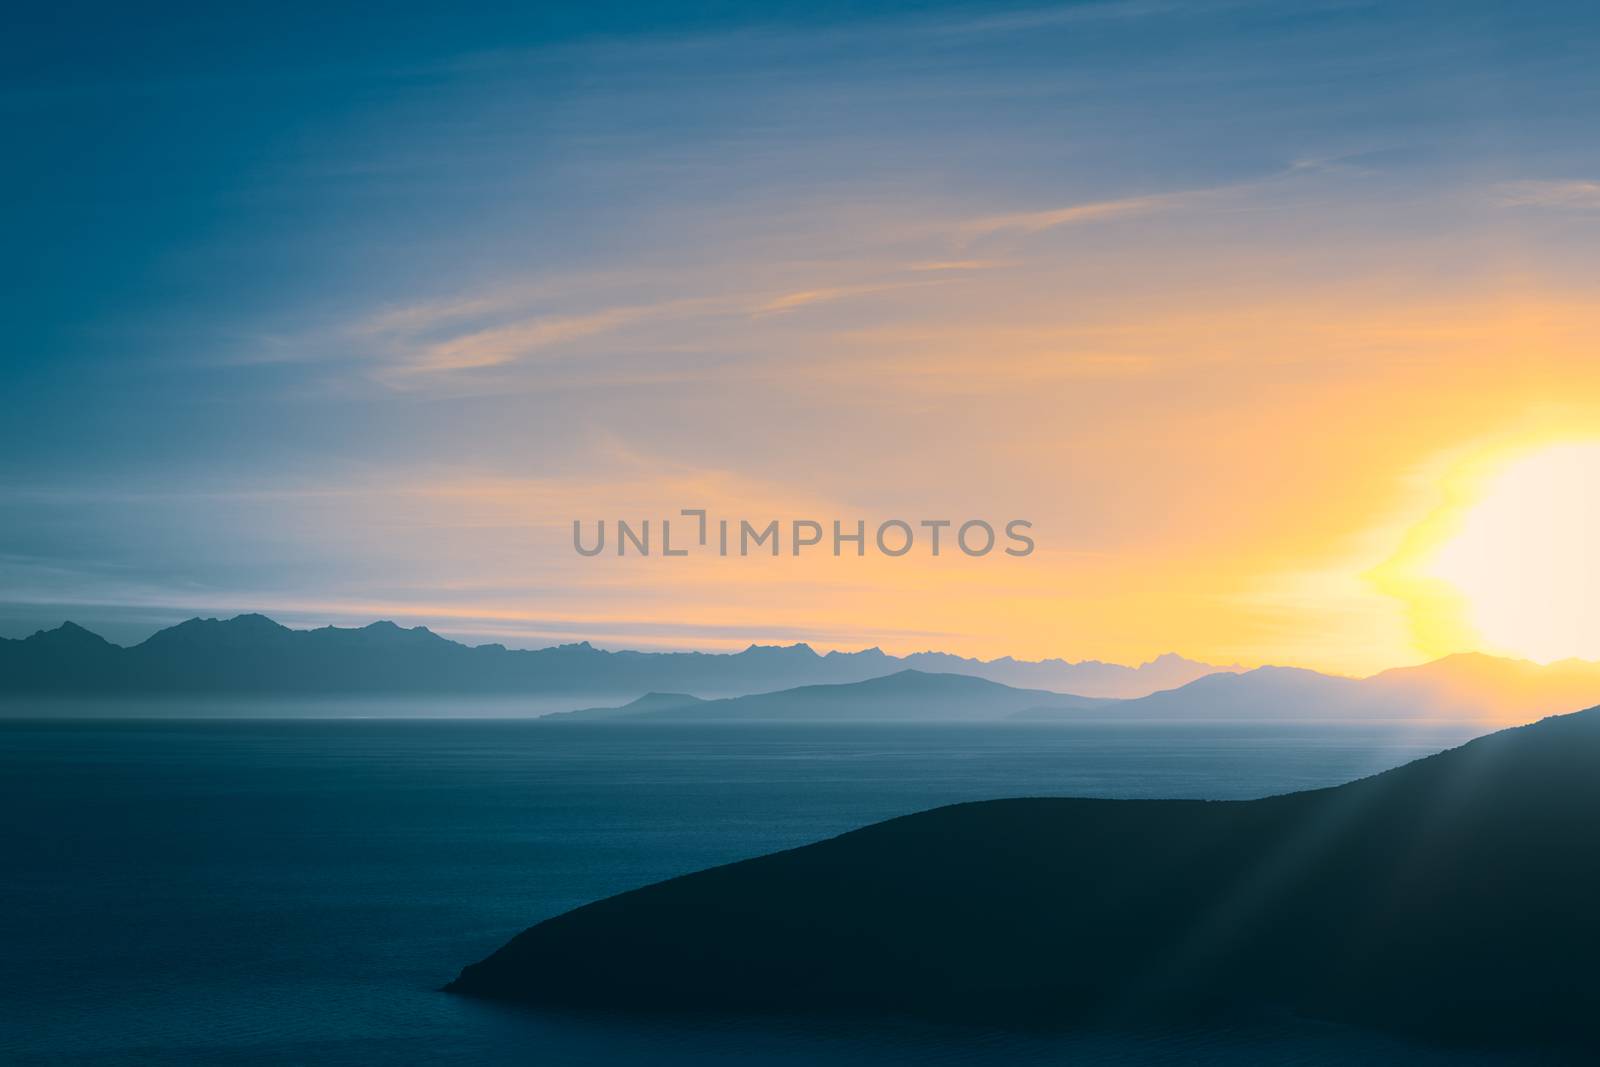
{"x": 295, "y": 891}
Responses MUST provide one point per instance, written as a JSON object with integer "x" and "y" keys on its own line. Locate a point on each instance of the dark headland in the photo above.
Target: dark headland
{"x": 1457, "y": 897}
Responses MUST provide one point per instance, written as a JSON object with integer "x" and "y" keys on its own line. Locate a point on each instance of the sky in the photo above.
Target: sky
{"x": 1251, "y": 309}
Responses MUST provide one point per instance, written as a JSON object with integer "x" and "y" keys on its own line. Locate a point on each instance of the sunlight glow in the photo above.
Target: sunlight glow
{"x": 1523, "y": 557}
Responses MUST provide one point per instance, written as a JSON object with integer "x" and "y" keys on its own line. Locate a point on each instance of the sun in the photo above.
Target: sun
{"x": 1524, "y": 558}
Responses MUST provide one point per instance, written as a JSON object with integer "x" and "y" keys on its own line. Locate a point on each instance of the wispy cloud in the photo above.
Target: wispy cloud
{"x": 961, "y": 265}
{"x": 506, "y": 344}
{"x": 410, "y": 357}
{"x": 448, "y": 338}
{"x": 735, "y": 313}
{"x": 506, "y": 296}
{"x": 1578, "y": 194}
{"x": 1067, "y": 16}
{"x": 1033, "y": 222}
{"x": 804, "y": 297}
{"x": 413, "y": 318}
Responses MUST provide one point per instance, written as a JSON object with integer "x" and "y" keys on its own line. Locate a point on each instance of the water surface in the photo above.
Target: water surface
{"x": 296, "y": 891}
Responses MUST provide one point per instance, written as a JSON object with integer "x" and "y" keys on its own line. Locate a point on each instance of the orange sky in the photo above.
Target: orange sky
{"x": 1244, "y": 312}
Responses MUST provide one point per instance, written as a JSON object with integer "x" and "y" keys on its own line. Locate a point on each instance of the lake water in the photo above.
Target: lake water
{"x": 296, "y": 891}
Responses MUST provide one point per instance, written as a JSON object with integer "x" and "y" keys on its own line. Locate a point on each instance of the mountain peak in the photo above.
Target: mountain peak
{"x": 798, "y": 648}
{"x": 385, "y": 626}
{"x": 68, "y": 634}
{"x": 253, "y": 620}
{"x": 239, "y": 630}
{"x": 656, "y": 701}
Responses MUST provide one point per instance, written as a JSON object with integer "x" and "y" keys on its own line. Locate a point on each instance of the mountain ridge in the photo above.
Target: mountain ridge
{"x": 1473, "y": 687}
{"x": 907, "y": 695}
{"x": 252, "y": 653}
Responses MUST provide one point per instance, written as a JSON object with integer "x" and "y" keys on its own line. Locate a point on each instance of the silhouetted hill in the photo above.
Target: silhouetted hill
{"x": 1472, "y": 687}
{"x": 905, "y": 696}
{"x": 1453, "y": 897}
{"x": 650, "y": 702}
{"x": 251, "y": 654}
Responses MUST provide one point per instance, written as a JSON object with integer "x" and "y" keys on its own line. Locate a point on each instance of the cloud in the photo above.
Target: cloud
{"x": 413, "y": 355}
{"x": 1578, "y": 195}
{"x": 1030, "y": 20}
{"x": 421, "y": 316}
{"x": 961, "y": 264}
{"x": 695, "y": 315}
{"x": 427, "y": 340}
{"x": 804, "y": 297}
{"x": 506, "y": 344}
{"x": 501, "y": 297}
{"x": 1031, "y": 222}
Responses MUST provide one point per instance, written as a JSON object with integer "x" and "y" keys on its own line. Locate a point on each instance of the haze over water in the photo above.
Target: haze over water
{"x": 261, "y": 891}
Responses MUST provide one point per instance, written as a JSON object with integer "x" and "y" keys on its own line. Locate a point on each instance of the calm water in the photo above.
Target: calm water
{"x": 270, "y": 891}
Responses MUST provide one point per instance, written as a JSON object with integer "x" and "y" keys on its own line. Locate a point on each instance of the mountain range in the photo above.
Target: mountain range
{"x": 1468, "y": 687}
{"x": 1465, "y": 688}
{"x": 1451, "y": 898}
{"x": 252, "y": 654}
{"x": 905, "y": 696}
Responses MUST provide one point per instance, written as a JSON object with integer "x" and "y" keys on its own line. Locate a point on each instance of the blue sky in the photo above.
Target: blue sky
{"x": 291, "y": 282}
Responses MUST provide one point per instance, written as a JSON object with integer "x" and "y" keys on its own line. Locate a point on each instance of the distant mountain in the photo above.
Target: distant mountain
{"x": 646, "y": 705}
{"x": 1473, "y": 685}
{"x": 905, "y": 696}
{"x": 1452, "y": 898}
{"x": 251, "y": 654}
{"x": 1090, "y": 678}
{"x": 1264, "y": 693}
{"x": 1475, "y": 688}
